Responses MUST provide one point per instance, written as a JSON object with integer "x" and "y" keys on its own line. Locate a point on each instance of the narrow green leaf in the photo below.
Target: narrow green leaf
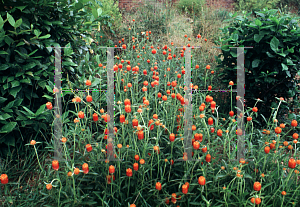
{"x": 28, "y": 110}
{"x": 45, "y": 36}
{"x": 3, "y": 53}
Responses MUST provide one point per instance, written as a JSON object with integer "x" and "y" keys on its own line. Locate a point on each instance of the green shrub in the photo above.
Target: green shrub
{"x": 254, "y": 5}
{"x": 191, "y": 6}
{"x": 271, "y": 65}
{"x": 27, "y": 29}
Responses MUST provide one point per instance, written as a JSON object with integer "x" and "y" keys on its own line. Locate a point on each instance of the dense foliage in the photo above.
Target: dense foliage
{"x": 270, "y": 67}
{"x": 28, "y": 30}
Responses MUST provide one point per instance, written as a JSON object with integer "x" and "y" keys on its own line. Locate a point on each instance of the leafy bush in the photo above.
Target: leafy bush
{"x": 270, "y": 67}
{"x": 28, "y": 30}
{"x": 191, "y": 6}
{"x": 254, "y": 5}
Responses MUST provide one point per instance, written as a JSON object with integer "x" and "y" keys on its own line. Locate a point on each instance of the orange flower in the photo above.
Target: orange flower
{"x": 257, "y": 186}
{"x": 142, "y": 161}
{"x": 208, "y": 67}
{"x": 49, "y": 105}
{"x": 129, "y": 172}
{"x": 89, "y": 98}
{"x": 88, "y": 147}
{"x": 210, "y": 121}
{"x": 111, "y": 169}
{"x": 208, "y": 158}
{"x": 80, "y": 114}
{"x": 88, "y": 83}
{"x": 135, "y": 166}
{"x": 294, "y": 123}
{"x": 267, "y": 150}
{"x": 231, "y": 83}
{"x": 128, "y": 108}
{"x": 257, "y": 201}
{"x": 283, "y": 193}
{"x": 292, "y": 163}
{"x": 4, "y": 179}
{"x": 85, "y": 168}
{"x": 201, "y": 180}
{"x": 204, "y": 149}
{"x": 49, "y": 186}
{"x": 196, "y": 145}
{"x": 32, "y": 142}
{"x": 158, "y": 186}
{"x": 254, "y": 109}
{"x": 172, "y": 137}
{"x": 219, "y": 132}
{"x": 295, "y": 136}
{"x": 184, "y": 189}
{"x": 278, "y": 130}
{"x": 55, "y": 164}
{"x": 63, "y": 140}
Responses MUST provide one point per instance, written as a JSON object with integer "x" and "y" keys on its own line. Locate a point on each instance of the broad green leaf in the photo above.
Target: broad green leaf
{"x": 26, "y": 80}
{"x": 10, "y": 79}
{"x": 11, "y": 20}
{"x": 29, "y": 65}
{"x": 29, "y": 73}
{"x": 2, "y": 99}
{"x": 257, "y": 37}
{"x": 274, "y": 44}
{"x": 255, "y": 63}
{"x": 40, "y": 110}
{"x": 284, "y": 67}
{"x": 1, "y": 22}
{"x": 270, "y": 55}
{"x": 5, "y": 116}
{"x": 21, "y": 7}
{"x": 68, "y": 50}
{"x": 8, "y": 40}
{"x": 14, "y": 91}
{"x": 94, "y": 12}
{"x": 37, "y": 32}
{"x": 49, "y": 88}
{"x": 258, "y": 22}
{"x": 99, "y": 11}
{"x": 4, "y": 66}
{"x": 48, "y": 97}
{"x": 8, "y": 127}
{"x": 18, "y": 23}
{"x": 18, "y": 102}
{"x": 15, "y": 83}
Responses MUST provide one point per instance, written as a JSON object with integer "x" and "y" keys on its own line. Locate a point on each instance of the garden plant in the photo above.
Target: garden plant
{"x": 149, "y": 143}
